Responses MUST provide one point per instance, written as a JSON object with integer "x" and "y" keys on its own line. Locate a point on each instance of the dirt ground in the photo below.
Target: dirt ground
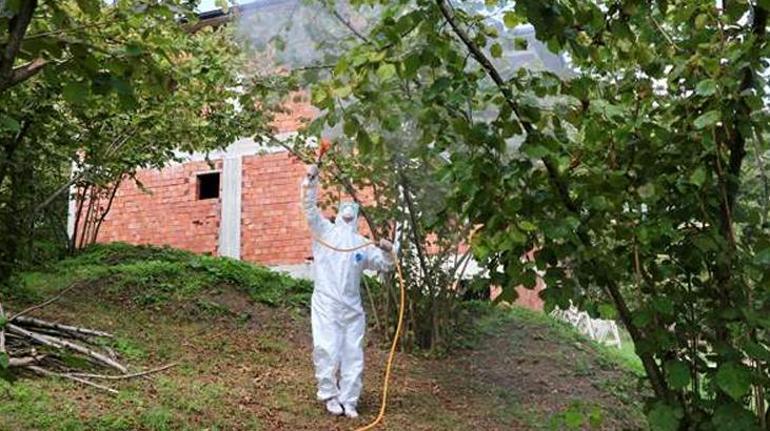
{"x": 245, "y": 366}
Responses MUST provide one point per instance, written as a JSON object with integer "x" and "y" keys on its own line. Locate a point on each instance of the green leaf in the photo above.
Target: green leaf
{"x": 342, "y": 92}
{"x": 133, "y": 49}
{"x": 9, "y": 123}
{"x": 496, "y": 50}
{"x": 663, "y": 417}
{"x": 756, "y": 350}
{"x": 707, "y": 87}
{"x": 607, "y": 311}
{"x": 222, "y": 4}
{"x": 12, "y": 5}
{"x": 535, "y": 151}
{"x": 507, "y": 294}
{"x": 510, "y": 19}
{"x": 121, "y": 86}
{"x": 90, "y": 7}
{"x": 647, "y": 191}
{"x": 75, "y": 92}
{"x": 663, "y": 305}
{"x": 517, "y": 236}
{"x": 677, "y": 374}
{"x": 319, "y": 95}
{"x": 386, "y": 71}
{"x": 734, "y": 417}
{"x": 350, "y": 128}
{"x": 411, "y": 65}
{"x": 763, "y": 257}
{"x": 376, "y": 56}
{"x": 527, "y": 226}
{"x": 709, "y": 118}
{"x": 480, "y": 249}
{"x": 701, "y": 20}
{"x": 364, "y": 142}
{"x": 698, "y": 177}
{"x": 734, "y": 379}
{"x": 5, "y": 360}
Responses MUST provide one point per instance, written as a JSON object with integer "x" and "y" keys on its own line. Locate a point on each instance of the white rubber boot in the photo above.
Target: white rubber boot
{"x": 333, "y": 406}
{"x": 350, "y": 411}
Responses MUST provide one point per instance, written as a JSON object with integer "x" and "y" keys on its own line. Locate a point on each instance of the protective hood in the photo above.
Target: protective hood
{"x": 347, "y": 208}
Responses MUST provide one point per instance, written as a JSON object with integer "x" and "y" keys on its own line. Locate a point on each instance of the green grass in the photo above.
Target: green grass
{"x": 154, "y": 275}
{"x": 610, "y": 370}
{"x": 625, "y": 356}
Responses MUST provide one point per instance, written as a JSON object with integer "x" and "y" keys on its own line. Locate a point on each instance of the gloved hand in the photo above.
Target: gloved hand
{"x": 385, "y": 245}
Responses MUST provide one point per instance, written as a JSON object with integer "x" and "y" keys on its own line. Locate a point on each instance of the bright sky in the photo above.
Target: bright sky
{"x": 207, "y": 5}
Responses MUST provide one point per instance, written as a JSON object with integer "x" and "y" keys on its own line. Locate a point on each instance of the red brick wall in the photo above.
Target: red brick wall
{"x": 273, "y": 228}
{"x": 171, "y": 215}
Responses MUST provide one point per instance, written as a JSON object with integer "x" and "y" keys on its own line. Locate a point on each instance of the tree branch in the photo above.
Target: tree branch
{"x": 347, "y": 24}
{"x": 17, "y": 28}
{"x": 45, "y": 372}
{"x": 2, "y": 330}
{"x": 419, "y": 242}
{"x": 763, "y": 175}
{"x": 479, "y": 55}
{"x": 24, "y": 72}
{"x": 123, "y": 376}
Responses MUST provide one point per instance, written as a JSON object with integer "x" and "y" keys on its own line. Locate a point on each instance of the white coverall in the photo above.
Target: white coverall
{"x": 337, "y": 316}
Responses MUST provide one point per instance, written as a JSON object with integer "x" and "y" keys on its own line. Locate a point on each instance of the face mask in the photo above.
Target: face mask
{"x": 348, "y": 214}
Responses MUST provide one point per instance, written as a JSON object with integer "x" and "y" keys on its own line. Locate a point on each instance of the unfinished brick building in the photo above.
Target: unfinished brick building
{"x": 247, "y": 204}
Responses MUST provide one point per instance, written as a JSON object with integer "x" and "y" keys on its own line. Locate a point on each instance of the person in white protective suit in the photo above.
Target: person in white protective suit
{"x": 337, "y": 316}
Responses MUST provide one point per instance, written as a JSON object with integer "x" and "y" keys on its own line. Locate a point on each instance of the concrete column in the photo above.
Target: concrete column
{"x": 71, "y": 206}
{"x": 230, "y": 218}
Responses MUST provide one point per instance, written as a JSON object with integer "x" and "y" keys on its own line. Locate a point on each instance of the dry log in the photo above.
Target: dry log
{"x": 21, "y": 334}
{"x": 124, "y": 376}
{"x": 45, "y": 372}
{"x": 62, "y": 343}
{"x": 59, "y": 327}
{"x": 24, "y": 361}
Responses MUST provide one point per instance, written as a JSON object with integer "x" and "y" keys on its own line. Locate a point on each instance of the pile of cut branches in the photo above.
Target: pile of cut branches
{"x": 42, "y": 347}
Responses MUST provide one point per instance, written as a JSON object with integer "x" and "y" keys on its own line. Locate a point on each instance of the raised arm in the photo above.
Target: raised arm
{"x": 318, "y": 224}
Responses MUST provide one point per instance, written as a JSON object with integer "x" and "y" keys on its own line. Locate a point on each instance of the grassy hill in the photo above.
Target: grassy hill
{"x": 241, "y": 336}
